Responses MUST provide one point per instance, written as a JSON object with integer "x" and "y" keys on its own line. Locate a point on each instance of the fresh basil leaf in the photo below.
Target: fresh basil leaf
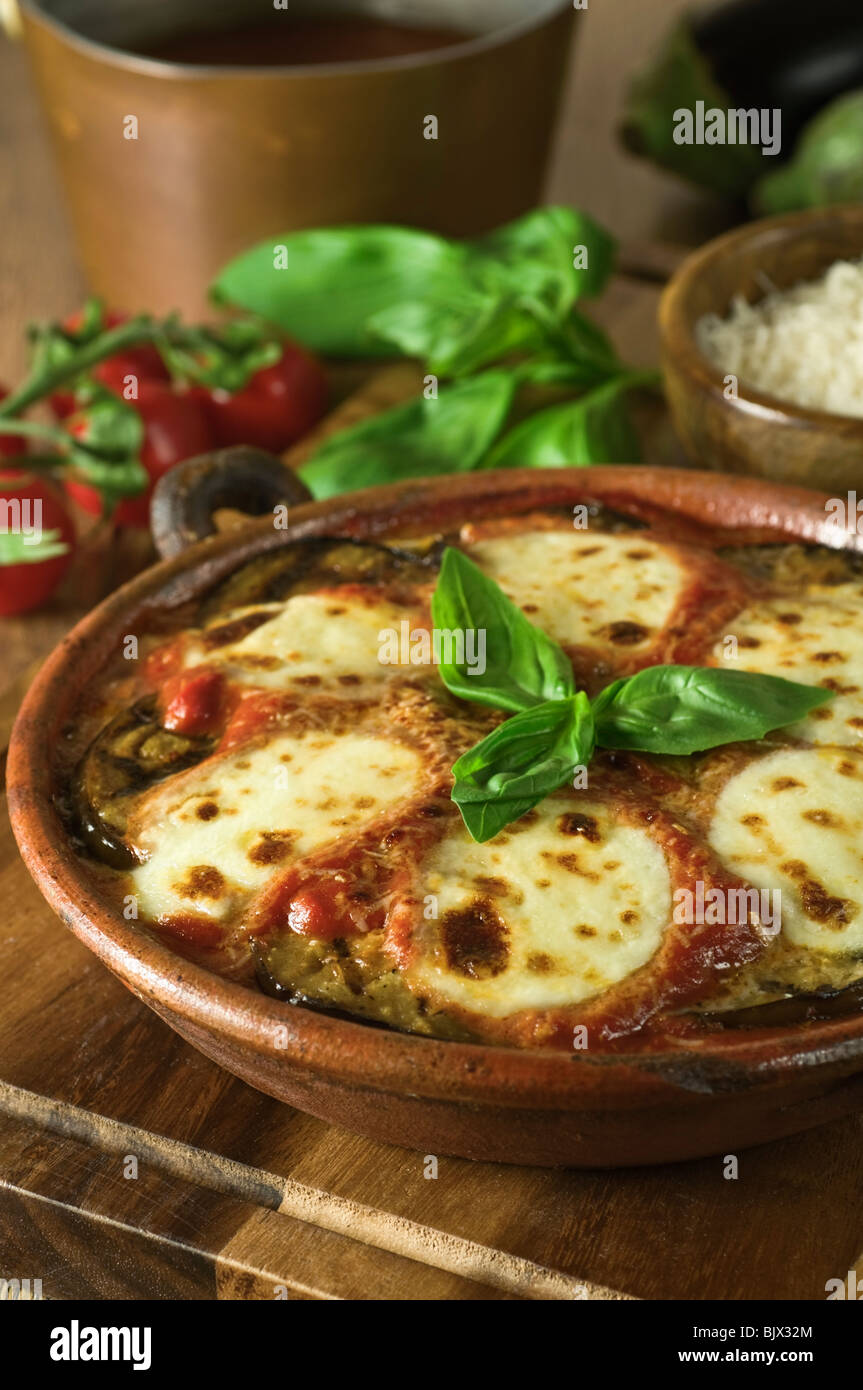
{"x": 460, "y": 334}
{"x": 17, "y": 549}
{"x": 523, "y": 666}
{"x": 686, "y": 709}
{"x": 335, "y": 279}
{"x": 446, "y": 434}
{"x": 540, "y": 257}
{"x": 575, "y": 353}
{"x": 596, "y": 428}
{"x": 519, "y": 284}
{"x": 663, "y": 709}
{"x": 521, "y": 762}
{"x": 588, "y": 347}
{"x": 458, "y": 305}
{"x": 530, "y": 273}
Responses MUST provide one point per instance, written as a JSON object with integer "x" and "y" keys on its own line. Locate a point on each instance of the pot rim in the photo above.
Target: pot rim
{"x": 677, "y": 331}
{"x": 164, "y": 68}
{"x": 357, "y": 1053}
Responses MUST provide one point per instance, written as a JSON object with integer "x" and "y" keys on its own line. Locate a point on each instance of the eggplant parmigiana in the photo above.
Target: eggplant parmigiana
{"x": 274, "y": 797}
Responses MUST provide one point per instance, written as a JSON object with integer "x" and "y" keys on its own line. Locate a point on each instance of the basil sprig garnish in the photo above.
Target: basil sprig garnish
{"x": 521, "y": 762}
{"x": 523, "y": 666}
{"x": 687, "y": 709}
{"x": 662, "y": 709}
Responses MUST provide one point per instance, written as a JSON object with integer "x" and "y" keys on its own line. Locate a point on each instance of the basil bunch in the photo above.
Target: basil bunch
{"x": 662, "y": 709}
{"x": 416, "y": 440}
{"x": 525, "y": 667}
{"x": 459, "y": 307}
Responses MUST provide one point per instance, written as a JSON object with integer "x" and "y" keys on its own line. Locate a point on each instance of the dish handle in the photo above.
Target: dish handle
{"x": 240, "y": 479}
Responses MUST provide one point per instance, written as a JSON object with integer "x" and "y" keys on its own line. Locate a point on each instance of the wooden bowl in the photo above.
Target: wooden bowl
{"x": 757, "y": 433}
{"x": 719, "y": 1094}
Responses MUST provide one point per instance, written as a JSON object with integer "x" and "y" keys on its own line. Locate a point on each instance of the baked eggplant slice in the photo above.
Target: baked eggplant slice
{"x": 129, "y": 755}
{"x": 134, "y": 751}
{"x": 796, "y": 565}
{"x": 347, "y": 978}
{"x": 813, "y": 1007}
{"x": 302, "y": 567}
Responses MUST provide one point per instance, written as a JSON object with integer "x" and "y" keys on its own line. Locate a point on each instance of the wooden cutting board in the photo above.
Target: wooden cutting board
{"x": 133, "y": 1167}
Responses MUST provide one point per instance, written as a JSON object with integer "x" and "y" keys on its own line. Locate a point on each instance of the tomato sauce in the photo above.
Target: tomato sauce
{"x": 194, "y": 702}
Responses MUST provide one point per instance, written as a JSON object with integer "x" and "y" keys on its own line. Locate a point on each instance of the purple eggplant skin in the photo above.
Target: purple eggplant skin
{"x": 785, "y": 56}
{"x": 792, "y": 54}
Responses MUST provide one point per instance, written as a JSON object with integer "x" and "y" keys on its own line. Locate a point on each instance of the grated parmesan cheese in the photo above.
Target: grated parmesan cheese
{"x": 803, "y": 345}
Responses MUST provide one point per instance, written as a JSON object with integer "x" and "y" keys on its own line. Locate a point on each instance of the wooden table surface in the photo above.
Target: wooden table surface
{"x": 237, "y": 1196}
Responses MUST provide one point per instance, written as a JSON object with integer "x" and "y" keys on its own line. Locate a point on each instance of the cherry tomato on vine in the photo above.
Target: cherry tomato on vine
{"x": 276, "y": 407}
{"x": 144, "y": 363}
{"x": 36, "y": 543}
{"x": 11, "y": 444}
{"x": 176, "y": 427}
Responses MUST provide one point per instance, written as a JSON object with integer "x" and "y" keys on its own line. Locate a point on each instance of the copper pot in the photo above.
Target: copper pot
{"x": 227, "y": 156}
{"x": 721, "y": 1093}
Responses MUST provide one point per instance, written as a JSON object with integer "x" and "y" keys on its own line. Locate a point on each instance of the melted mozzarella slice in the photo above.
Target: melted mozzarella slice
{"x": 815, "y": 642}
{"x": 212, "y": 835}
{"x": 793, "y": 820}
{"x": 539, "y": 917}
{"x": 315, "y": 640}
{"x": 584, "y": 588}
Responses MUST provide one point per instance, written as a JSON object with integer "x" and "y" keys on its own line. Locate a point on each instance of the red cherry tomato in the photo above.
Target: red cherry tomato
{"x": 144, "y": 363}
{"x": 176, "y": 427}
{"x": 62, "y": 404}
{"x": 192, "y": 702}
{"x": 11, "y": 445}
{"x": 25, "y": 586}
{"x": 275, "y": 408}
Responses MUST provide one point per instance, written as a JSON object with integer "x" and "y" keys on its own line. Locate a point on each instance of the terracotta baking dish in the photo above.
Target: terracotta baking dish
{"x": 743, "y": 1087}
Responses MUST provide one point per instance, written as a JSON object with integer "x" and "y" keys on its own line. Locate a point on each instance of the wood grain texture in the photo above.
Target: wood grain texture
{"x": 69, "y": 1208}
{"x": 109, "y": 1144}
